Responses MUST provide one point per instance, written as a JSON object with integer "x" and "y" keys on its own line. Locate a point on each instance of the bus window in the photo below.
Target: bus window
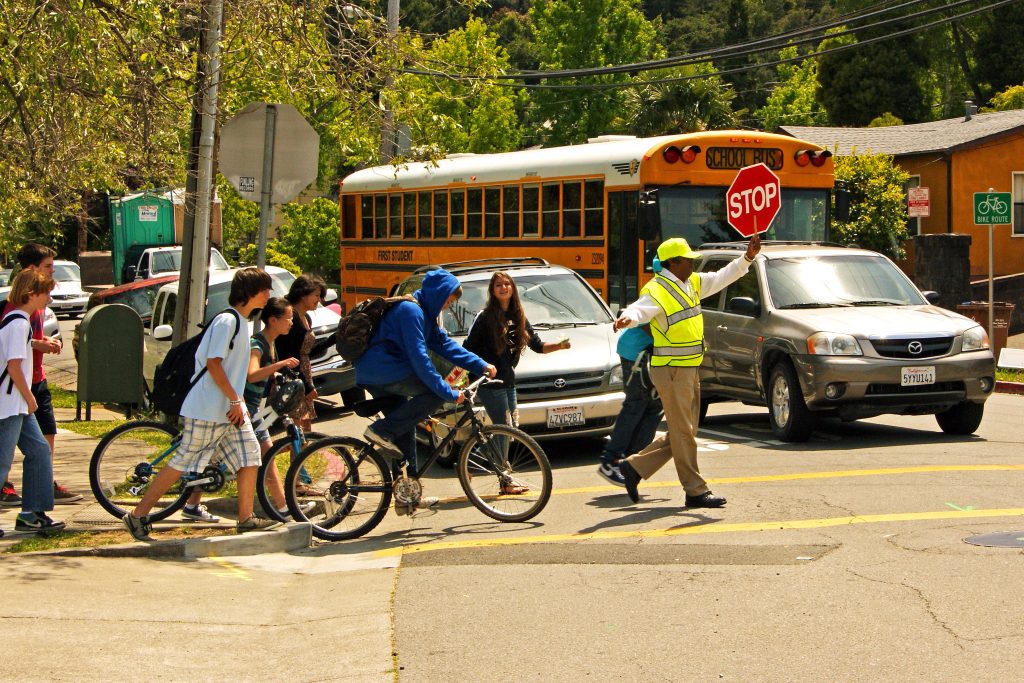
{"x": 348, "y": 217}
{"x": 593, "y": 208}
{"x": 394, "y": 215}
{"x": 380, "y": 216}
{"x": 474, "y": 212}
{"x": 550, "y": 209}
{"x": 458, "y": 213}
{"x": 492, "y": 212}
{"x": 367, "y": 203}
{"x": 531, "y": 206}
{"x": 425, "y": 218}
{"x": 440, "y": 213}
{"x": 409, "y": 215}
{"x": 510, "y": 198}
{"x": 572, "y": 209}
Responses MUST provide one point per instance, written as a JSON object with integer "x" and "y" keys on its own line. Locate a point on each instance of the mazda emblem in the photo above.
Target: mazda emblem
{"x": 915, "y": 348}
{"x": 560, "y": 383}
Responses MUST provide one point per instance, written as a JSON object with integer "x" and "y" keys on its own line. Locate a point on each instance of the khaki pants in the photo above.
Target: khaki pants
{"x": 679, "y": 390}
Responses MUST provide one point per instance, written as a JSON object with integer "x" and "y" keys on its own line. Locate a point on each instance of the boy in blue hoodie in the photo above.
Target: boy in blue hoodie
{"x": 397, "y": 364}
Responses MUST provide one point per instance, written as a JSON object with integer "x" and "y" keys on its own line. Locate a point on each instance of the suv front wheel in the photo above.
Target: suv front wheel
{"x": 787, "y": 411}
{"x": 962, "y": 419}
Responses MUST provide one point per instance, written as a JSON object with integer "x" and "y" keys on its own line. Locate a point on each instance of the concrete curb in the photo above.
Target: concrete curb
{"x": 293, "y": 536}
{"x": 1010, "y": 387}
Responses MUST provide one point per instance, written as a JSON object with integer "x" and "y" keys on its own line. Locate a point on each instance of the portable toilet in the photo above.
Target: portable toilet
{"x": 146, "y": 218}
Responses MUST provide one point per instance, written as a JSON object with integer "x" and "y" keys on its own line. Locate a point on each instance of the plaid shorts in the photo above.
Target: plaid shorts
{"x": 203, "y": 442}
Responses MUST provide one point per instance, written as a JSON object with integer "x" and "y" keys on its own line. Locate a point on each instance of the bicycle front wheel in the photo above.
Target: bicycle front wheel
{"x": 505, "y": 473}
{"x": 348, "y": 489}
{"x": 270, "y": 477}
{"x": 125, "y": 463}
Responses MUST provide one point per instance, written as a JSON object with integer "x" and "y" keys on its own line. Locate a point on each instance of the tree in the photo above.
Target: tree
{"x": 681, "y": 106}
{"x": 457, "y": 116}
{"x": 1011, "y": 98}
{"x": 886, "y": 119}
{"x": 310, "y": 236}
{"x": 793, "y": 101}
{"x": 586, "y": 33}
{"x": 1000, "y": 55}
{"x": 878, "y": 210}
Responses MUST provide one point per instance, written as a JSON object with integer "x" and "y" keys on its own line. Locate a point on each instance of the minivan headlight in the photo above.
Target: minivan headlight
{"x": 975, "y": 339}
{"x": 615, "y": 376}
{"x": 833, "y": 344}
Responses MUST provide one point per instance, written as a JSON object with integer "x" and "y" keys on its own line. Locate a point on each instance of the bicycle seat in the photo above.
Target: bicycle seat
{"x": 384, "y": 404}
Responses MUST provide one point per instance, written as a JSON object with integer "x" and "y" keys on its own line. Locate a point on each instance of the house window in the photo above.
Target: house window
{"x": 913, "y": 224}
{"x": 1018, "y": 203}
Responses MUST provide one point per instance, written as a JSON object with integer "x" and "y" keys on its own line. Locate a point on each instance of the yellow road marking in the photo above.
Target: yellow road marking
{"x": 233, "y": 570}
{"x": 712, "y": 528}
{"x": 836, "y": 474}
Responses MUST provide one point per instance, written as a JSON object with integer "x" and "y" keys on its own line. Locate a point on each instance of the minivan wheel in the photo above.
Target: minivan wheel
{"x": 962, "y": 419}
{"x": 790, "y": 419}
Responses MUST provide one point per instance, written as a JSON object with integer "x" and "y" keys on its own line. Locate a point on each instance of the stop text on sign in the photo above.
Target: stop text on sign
{"x": 752, "y": 199}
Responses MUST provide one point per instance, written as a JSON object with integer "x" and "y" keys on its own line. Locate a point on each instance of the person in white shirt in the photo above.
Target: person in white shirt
{"x": 670, "y": 302}
{"x": 215, "y": 424}
{"x": 18, "y": 426}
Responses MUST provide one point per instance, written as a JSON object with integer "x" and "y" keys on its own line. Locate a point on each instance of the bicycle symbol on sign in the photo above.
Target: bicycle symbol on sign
{"x": 994, "y": 205}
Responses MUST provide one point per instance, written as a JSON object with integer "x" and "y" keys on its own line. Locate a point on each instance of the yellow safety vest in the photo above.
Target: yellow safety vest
{"x": 682, "y": 343}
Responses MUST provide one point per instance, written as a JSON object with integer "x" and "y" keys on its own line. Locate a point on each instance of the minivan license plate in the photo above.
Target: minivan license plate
{"x": 917, "y": 375}
{"x": 565, "y": 416}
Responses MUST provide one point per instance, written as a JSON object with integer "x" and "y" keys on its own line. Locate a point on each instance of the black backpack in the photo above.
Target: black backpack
{"x": 356, "y": 329}
{"x": 173, "y": 377}
{"x": 8, "y": 319}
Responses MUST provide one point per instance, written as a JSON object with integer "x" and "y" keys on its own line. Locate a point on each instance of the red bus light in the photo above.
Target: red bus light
{"x": 690, "y": 153}
{"x": 803, "y": 157}
{"x": 818, "y": 158}
{"x": 671, "y": 154}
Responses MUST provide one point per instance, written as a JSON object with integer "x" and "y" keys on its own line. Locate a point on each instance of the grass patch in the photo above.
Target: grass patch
{"x": 94, "y": 428}
{"x": 63, "y": 398}
{"x": 1009, "y": 375}
{"x": 95, "y": 539}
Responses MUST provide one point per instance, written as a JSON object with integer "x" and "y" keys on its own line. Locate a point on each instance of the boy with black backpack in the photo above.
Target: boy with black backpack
{"x": 215, "y": 424}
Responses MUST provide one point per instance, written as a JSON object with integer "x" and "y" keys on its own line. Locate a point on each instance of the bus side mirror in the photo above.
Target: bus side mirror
{"x": 842, "y": 202}
{"x": 649, "y": 217}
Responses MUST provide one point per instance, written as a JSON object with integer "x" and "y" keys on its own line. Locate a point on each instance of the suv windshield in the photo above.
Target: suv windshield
{"x": 550, "y": 300}
{"x": 170, "y": 261}
{"x": 217, "y": 295}
{"x": 853, "y": 280}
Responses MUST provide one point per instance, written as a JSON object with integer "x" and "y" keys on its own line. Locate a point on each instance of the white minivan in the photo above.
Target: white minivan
{"x": 331, "y": 374}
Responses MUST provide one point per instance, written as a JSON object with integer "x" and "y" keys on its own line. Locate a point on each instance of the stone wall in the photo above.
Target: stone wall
{"x": 942, "y": 264}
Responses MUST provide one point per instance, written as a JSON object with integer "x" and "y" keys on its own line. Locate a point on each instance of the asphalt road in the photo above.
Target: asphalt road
{"x": 839, "y": 559}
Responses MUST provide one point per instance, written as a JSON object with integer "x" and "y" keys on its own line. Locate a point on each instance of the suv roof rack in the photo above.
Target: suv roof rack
{"x": 743, "y": 245}
{"x": 487, "y": 264}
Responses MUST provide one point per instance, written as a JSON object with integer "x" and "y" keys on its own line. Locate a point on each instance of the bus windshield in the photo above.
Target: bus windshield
{"x": 698, "y": 215}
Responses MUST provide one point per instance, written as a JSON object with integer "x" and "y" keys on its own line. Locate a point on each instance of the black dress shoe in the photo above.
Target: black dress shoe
{"x": 704, "y": 500}
{"x": 632, "y": 480}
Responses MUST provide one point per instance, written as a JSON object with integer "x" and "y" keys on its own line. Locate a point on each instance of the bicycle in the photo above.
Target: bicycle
{"x": 357, "y": 483}
{"x": 993, "y": 204}
{"x": 119, "y": 476}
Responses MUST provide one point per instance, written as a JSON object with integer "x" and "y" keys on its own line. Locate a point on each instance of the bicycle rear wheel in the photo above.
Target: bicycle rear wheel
{"x": 489, "y": 472}
{"x": 350, "y": 488}
{"x": 127, "y": 460}
{"x": 279, "y": 457}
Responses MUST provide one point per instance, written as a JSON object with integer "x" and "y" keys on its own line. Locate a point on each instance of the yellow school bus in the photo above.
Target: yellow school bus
{"x": 599, "y": 208}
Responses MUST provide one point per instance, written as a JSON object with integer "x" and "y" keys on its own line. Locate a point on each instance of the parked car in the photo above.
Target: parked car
{"x": 138, "y": 295}
{"x": 331, "y": 374}
{"x": 5, "y": 277}
{"x": 576, "y": 393}
{"x": 146, "y": 263}
{"x": 51, "y": 326}
{"x": 813, "y": 331}
{"x": 68, "y": 297}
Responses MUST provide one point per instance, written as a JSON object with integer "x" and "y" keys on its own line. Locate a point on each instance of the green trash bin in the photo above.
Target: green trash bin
{"x": 110, "y": 344}
{"x": 1001, "y": 313}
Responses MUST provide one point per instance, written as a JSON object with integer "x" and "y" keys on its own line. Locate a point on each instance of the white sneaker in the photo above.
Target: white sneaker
{"x": 306, "y": 508}
{"x": 199, "y": 513}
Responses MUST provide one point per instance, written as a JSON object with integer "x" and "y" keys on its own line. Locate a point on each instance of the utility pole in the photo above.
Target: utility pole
{"x": 191, "y": 304}
{"x": 387, "y": 124}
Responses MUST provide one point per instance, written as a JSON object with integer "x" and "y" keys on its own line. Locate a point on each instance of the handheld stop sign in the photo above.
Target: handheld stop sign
{"x": 753, "y": 200}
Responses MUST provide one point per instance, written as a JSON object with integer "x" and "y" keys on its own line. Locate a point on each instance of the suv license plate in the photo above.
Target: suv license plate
{"x": 565, "y": 416}
{"x": 917, "y": 375}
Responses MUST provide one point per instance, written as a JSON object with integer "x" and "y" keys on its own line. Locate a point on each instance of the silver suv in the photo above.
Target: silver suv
{"x": 570, "y": 393}
{"x": 816, "y": 330}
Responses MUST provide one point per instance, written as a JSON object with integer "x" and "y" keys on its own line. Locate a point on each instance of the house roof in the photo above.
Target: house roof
{"x": 916, "y": 138}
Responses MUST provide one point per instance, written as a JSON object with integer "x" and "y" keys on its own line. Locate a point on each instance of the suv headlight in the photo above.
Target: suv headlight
{"x": 615, "y": 376}
{"x": 832, "y": 344}
{"x": 975, "y": 339}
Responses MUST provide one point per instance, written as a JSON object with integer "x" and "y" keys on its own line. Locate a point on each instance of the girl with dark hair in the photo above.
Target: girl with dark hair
{"x": 304, "y": 296}
{"x": 498, "y": 335}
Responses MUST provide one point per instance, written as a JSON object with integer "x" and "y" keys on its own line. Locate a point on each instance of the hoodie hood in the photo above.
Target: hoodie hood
{"x": 437, "y": 286}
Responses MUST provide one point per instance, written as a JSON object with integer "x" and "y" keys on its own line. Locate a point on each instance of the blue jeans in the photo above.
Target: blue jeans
{"x": 637, "y": 422}
{"x": 500, "y": 402}
{"x": 399, "y": 425}
{"x": 37, "y": 471}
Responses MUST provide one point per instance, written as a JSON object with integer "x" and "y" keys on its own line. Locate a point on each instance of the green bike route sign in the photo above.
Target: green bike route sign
{"x": 992, "y": 208}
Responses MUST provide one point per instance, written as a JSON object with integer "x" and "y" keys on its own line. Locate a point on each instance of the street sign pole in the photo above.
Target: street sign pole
{"x": 991, "y": 208}
{"x": 266, "y": 185}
